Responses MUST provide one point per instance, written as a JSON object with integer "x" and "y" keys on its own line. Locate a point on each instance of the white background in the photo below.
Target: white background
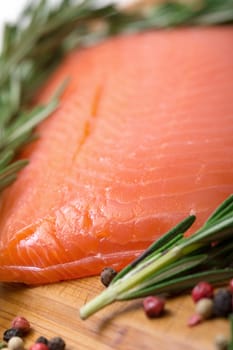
{"x": 10, "y": 9}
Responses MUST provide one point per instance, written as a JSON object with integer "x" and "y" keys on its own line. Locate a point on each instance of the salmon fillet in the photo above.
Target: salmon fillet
{"x": 142, "y": 138}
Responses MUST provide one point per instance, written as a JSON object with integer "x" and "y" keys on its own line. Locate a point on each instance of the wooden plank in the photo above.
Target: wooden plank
{"x": 53, "y": 311}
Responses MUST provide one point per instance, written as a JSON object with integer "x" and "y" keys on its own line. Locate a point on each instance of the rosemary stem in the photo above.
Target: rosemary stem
{"x": 155, "y": 268}
{"x": 111, "y": 294}
{"x": 131, "y": 280}
{"x": 98, "y": 303}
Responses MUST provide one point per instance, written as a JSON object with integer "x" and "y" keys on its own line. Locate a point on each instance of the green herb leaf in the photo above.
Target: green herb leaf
{"x": 181, "y": 284}
{"x": 179, "y": 266}
{"x": 33, "y": 47}
{"x": 163, "y": 243}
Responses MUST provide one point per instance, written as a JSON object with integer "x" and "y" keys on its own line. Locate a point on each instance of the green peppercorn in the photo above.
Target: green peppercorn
{"x": 3, "y": 345}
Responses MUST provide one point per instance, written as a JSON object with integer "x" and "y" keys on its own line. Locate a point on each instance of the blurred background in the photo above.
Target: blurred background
{"x": 10, "y": 9}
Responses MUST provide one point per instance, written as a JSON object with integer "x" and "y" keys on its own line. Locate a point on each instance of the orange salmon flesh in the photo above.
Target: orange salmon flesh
{"x": 142, "y": 138}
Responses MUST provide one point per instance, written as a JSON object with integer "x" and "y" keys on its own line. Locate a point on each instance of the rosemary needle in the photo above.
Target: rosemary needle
{"x": 180, "y": 267}
{"x": 32, "y": 49}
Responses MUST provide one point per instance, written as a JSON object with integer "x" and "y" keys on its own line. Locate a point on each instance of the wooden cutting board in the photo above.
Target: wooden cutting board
{"x": 53, "y": 310}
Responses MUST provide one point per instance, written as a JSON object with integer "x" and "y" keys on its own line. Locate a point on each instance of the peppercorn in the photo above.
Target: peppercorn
{"x": 222, "y": 303}
{"x": 42, "y": 340}
{"x": 39, "y": 346}
{"x": 12, "y": 332}
{"x": 3, "y": 345}
{"x": 107, "y": 275}
{"x": 202, "y": 290}
{"x": 221, "y": 342}
{"x": 153, "y": 306}
{"x": 204, "y": 308}
{"x": 22, "y": 323}
{"x": 194, "y": 320}
{"x": 56, "y": 343}
{"x": 15, "y": 343}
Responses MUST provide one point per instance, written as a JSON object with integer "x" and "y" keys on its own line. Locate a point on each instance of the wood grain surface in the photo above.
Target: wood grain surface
{"x": 54, "y": 310}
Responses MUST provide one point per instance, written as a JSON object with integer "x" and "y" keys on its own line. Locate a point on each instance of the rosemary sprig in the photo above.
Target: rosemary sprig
{"x": 159, "y": 246}
{"x": 34, "y": 46}
{"x": 173, "y": 268}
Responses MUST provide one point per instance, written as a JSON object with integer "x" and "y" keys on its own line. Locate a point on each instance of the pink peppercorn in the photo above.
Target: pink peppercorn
{"x": 231, "y": 285}
{"x": 153, "y": 306}
{"x": 39, "y": 346}
{"x": 194, "y": 320}
{"x": 202, "y": 290}
{"x": 21, "y": 323}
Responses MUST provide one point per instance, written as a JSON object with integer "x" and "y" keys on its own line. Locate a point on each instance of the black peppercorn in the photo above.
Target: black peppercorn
{"x": 56, "y": 343}
{"x": 42, "y": 340}
{"x": 12, "y": 332}
{"x": 222, "y": 303}
{"x": 107, "y": 274}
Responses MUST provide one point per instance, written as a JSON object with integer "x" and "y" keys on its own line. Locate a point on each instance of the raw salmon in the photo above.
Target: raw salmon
{"x": 143, "y": 137}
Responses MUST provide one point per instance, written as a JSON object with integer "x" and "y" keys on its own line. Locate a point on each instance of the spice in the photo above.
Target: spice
{"x": 3, "y": 345}
{"x": 221, "y": 342}
{"x": 42, "y": 340}
{"x": 153, "y": 306}
{"x": 56, "y": 343}
{"x": 12, "y": 332}
{"x": 204, "y": 308}
{"x": 39, "y": 346}
{"x": 107, "y": 275}
{"x": 16, "y": 343}
{"x": 202, "y": 290}
{"x": 222, "y": 303}
{"x": 170, "y": 255}
{"x": 22, "y": 323}
{"x": 194, "y": 320}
